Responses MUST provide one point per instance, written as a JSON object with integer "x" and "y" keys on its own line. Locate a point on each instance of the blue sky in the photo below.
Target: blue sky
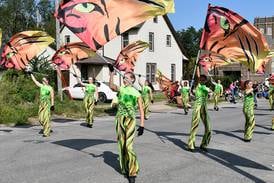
{"x": 192, "y": 12}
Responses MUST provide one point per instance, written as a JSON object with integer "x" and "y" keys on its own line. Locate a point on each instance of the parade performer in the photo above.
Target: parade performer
{"x": 46, "y": 104}
{"x": 147, "y": 96}
{"x": 185, "y": 96}
{"x": 200, "y": 112}
{"x": 271, "y": 96}
{"x": 218, "y": 92}
{"x": 90, "y": 100}
{"x": 248, "y": 110}
{"x": 128, "y": 98}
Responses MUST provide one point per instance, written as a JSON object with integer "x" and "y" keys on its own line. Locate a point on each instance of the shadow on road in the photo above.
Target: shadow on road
{"x": 80, "y": 144}
{"x": 227, "y": 134}
{"x": 231, "y": 161}
{"x": 110, "y": 159}
{"x": 257, "y": 132}
{"x": 227, "y": 159}
{"x": 63, "y": 120}
{"x": 6, "y": 131}
{"x": 264, "y": 127}
{"x": 261, "y": 114}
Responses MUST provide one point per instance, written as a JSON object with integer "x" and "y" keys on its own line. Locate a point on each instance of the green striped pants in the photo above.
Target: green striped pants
{"x": 185, "y": 101}
{"x": 271, "y": 99}
{"x": 125, "y": 129}
{"x": 146, "y": 106}
{"x": 44, "y": 116}
{"x": 249, "y": 121}
{"x": 199, "y": 112}
{"x": 216, "y": 99}
{"x": 89, "y": 104}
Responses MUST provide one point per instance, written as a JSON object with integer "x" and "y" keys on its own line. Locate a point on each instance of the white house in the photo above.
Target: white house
{"x": 164, "y": 53}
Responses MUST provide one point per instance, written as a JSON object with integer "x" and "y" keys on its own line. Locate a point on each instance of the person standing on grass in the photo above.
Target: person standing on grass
{"x": 200, "y": 112}
{"x": 248, "y": 110}
{"x": 185, "y": 96}
{"x": 46, "y": 104}
{"x": 147, "y": 95}
{"x": 218, "y": 92}
{"x": 90, "y": 100}
{"x": 125, "y": 121}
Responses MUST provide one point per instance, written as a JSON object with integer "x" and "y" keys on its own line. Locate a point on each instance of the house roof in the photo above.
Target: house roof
{"x": 97, "y": 59}
{"x": 173, "y": 31}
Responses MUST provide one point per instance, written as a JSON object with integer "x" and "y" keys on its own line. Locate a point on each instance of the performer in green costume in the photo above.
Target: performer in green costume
{"x": 200, "y": 112}
{"x": 248, "y": 110}
{"x": 46, "y": 104}
{"x": 218, "y": 92}
{"x": 185, "y": 96}
{"x": 271, "y": 96}
{"x": 90, "y": 100}
{"x": 147, "y": 96}
{"x": 128, "y": 98}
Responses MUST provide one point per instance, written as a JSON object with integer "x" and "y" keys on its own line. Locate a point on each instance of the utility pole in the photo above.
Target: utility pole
{"x": 58, "y": 44}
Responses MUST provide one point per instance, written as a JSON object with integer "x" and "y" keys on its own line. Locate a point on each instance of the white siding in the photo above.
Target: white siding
{"x": 163, "y": 55}
{"x": 73, "y": 37}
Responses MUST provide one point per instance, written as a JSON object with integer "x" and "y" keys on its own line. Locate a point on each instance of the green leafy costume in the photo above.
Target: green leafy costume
{"x": 248, "y": 110}
{"x": 44, "y": 108}
{"x": 146, "y": 99}
{"x": 125, "y": 129}
{"x": 89, "y": 102}
{"x": 185, "y": 97}
{"x": 217, "y": 93}
{"x": 200, "y": 112}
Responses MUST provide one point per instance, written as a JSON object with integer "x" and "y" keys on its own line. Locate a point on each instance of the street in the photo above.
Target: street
{"x": 77, "y": 154}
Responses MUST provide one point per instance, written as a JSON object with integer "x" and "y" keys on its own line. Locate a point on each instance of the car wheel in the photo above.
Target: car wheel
{"x": 102, "y": 97}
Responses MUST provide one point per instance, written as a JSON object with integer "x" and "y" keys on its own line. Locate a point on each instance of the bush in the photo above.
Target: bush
{"x": 18, "y": 98}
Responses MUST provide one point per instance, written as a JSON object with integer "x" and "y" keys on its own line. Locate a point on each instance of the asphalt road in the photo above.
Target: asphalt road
{"x": 77, "y": 154}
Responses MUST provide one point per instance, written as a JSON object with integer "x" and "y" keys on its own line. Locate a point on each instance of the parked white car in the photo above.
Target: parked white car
{"x": 104, "y": 91}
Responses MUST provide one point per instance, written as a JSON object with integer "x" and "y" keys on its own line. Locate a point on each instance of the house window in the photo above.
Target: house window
{"x": 151, "y": 72}
{"x": 269, "y": 31}
{"x": 151, "y": 41}
{"x": 125, "y": 39}
{"x": 155, "y": 19}
{"x": 173, "y": 72}
{"x": 67, "y": 39}
{"x": 168, "y": 40}
{"x": 262, "y": 30}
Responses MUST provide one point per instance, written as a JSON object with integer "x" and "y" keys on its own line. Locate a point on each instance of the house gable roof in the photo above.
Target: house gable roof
{"x": 171, "y": 28}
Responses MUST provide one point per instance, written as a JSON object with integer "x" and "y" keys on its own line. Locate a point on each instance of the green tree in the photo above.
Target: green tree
{"x": 45, "y": 18}
{"x": 16, "y": 16}
{"x": 22, "y": 15}
{"x": 190, "y": 38}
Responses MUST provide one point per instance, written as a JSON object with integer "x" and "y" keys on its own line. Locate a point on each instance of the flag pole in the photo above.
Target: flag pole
{"x": 198, "y": 57}
{"x": 59, "y": 81}
{"x": 195, "y": 68}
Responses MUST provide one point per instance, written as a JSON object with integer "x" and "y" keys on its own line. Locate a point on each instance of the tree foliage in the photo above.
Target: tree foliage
{"x": 190, "y": 39}
{"x": 22, "y": 15}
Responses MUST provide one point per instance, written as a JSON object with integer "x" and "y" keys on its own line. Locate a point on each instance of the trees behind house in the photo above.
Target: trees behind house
{"x": 190, "y": 39}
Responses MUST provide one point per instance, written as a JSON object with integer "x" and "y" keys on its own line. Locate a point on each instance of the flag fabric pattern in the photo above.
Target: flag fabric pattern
{"x": 230, "y": 35}
{"x": 96, "y": 22}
